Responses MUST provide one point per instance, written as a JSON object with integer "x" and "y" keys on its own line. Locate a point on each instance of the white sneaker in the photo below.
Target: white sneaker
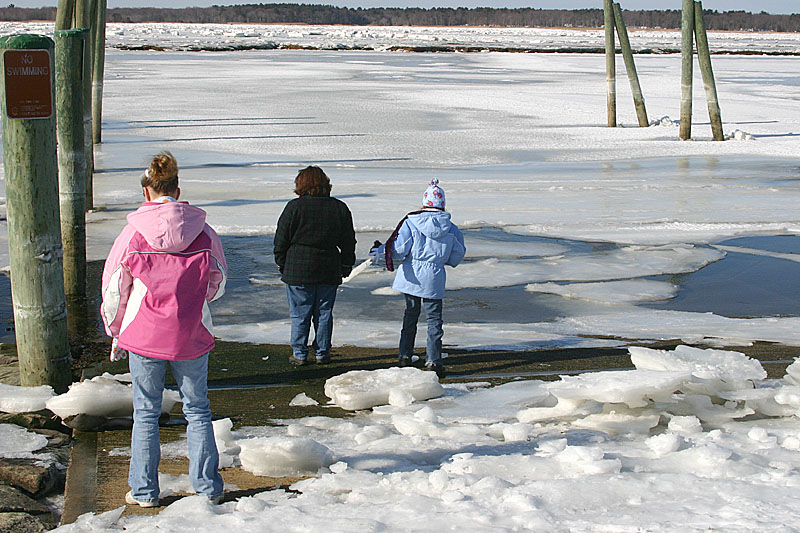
{"x": 130, "y": 500}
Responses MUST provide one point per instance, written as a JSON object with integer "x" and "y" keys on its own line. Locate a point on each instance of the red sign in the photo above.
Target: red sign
{"x": 29, "y": 84}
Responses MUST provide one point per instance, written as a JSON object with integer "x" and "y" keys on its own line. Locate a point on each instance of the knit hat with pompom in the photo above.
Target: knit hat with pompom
{"x": 434, "y": 195}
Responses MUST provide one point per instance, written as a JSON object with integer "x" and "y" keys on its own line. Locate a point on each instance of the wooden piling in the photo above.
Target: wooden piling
{"x": 64, "y": 14}
{"x": 611, "y": 66}
{"x": 83, "y": 20}
{"x": 71, "y": 160}
{"x": 704, "y": 59}
{"x": 34, "y": 232}
{"x": 630, "y": 66}
{"x": 98, "y": 71}
{"x": 82, "y": 10}
{"x": 687, "y": 40}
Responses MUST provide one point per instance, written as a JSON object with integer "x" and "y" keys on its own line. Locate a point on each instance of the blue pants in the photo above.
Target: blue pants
{"x": 307, "y": 304}
{"x": 433, "y": 312}
{"x": 148, "y": 388}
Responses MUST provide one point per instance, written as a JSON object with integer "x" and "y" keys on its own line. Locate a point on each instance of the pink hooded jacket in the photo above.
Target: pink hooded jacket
{"x": 162, "y": 271}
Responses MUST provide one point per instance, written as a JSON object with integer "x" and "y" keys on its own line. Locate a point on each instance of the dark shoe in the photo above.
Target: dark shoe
{"x": 297, "y": 361}
{"x": 323, "y": 360}
{"x": 436, "y": 367}
{"x": 404, "y": 361}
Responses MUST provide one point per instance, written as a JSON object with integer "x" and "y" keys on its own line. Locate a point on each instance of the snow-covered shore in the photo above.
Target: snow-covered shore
{"x": 176, "y": 36}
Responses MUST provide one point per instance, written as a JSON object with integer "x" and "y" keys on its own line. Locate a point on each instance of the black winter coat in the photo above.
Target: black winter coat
{"x": 315, "y": 241}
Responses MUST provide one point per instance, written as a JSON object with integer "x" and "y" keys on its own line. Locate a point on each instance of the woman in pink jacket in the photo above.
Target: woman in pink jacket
{"x": 162, "y": 271}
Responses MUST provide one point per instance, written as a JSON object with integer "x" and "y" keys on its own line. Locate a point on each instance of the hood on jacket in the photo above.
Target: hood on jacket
{"x": 432, "y": 224}
{"x": 168, "y": 227}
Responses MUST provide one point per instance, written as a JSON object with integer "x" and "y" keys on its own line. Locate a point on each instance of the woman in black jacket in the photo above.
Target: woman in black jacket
{"x": 314, "y": 248}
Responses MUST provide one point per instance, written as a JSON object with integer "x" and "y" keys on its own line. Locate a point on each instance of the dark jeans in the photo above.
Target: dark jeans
{"x": 307, "y": 304}
{"x": 433, "y": 312}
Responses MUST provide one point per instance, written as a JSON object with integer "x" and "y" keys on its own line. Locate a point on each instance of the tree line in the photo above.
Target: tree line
{"x": 502, "y": 17}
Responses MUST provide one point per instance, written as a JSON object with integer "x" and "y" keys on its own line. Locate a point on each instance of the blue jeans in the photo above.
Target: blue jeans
{"x": 148, "y": 387}
{"x": 433, "y": 312}
{"x": 307, "y": 304}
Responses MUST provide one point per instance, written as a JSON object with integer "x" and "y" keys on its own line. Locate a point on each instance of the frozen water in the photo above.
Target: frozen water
{"x": 284, "y": 456}
{"x": 715, "y": 370}
{"x": 634, "y": 455}
{"x": 545, "y": 193}
{"x": 14, "y": 399}
{"x": 610, "y": 292}
{"x": 18, "y": 442}
{"x": 362, "y": 389}
{"x": 302, "y": 399}
{"x": 102, "y": 396}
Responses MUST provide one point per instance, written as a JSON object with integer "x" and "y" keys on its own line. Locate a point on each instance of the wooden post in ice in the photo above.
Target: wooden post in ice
{"x": 704, "y": 58}
{"x": 611, "y": 70}
{"x": 34, "y": 232}
{"x": 83, "y": 10}
{"x": 64, "y": 14}
{"x": 630, "y": 66}
{"x": 71, "y": 161}
{"x": 98, "y": 69}
{"x": 687, "y": 40}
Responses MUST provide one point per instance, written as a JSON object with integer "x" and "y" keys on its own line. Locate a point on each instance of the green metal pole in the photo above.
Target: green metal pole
{"x": 630, "y": 66}
{"x": 704, "y": 58}
{"x": 34, "y": 232}
{"x": 611, "y": 67}
{"x": 71, "y": 162}
{"x": 687, "y": 40}
{"x": 64, "y": 14}
{"x": 98, "y": 70}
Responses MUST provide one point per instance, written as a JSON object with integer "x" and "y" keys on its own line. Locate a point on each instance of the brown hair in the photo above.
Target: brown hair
{"x": 312, "y": 180}
{"x": 162, "y": 174}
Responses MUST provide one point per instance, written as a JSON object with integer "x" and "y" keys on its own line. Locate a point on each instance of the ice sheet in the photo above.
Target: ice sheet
{"x": 518, "y": 141}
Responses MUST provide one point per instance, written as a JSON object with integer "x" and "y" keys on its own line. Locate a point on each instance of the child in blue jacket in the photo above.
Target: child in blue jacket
{"x": 423, "y": 243}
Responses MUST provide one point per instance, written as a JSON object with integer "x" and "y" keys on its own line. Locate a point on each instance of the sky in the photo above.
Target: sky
{"x": 770, "y": 6}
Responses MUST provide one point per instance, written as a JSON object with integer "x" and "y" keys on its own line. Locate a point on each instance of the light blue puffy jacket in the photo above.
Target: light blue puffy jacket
{"x": 426, "y": 243}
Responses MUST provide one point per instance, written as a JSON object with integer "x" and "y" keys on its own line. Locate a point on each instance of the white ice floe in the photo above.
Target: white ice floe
{"x": 610, "y": 292}
{"x": 284, "y": 456}
{"x": 632, "y": 261}
{"x": 18, "y": 442}
{"x": 16, "y": 399}
{"x": 362, "y": 389}
{"x": 302, "y": 399}
{"x": 634, "y": 388}
{"x": 714, "y": 370}
{"x": 102, "y": 396}
{"x": 624, "y": 322}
